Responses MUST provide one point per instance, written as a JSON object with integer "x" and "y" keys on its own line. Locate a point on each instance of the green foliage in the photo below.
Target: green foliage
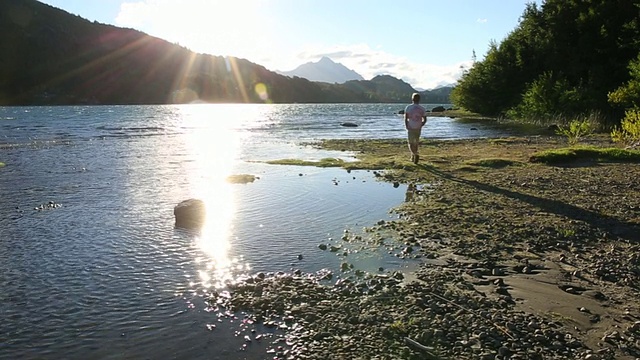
{"x": 326, "y": 162}
{"x": 628, "y": 95}
{"x": 576, "y": 130}
{"x": 547, "y": 96}
{"x": 629, "y": 131}
{"x": 585, "y": 153}
{"x": 403, "y": 328}
{"x": 399, "y": 327}
{"x": 562, "y": 60}
{"x": 486, "y": 87}
{"x": 567, "y": 233}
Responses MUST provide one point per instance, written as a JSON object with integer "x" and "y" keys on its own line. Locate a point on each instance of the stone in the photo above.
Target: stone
{"x": 190, "y": 214}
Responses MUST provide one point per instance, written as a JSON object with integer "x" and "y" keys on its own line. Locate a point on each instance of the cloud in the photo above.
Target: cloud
{"x": 482, "y": 21}
{"x": 370, "y": 62}
{"x": 239, "y": 28}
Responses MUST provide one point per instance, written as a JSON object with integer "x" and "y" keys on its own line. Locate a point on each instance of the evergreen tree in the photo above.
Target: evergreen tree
{"x": 564, "y": 58}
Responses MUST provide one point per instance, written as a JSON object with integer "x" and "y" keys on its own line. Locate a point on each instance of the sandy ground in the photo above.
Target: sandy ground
{"x": 517, "y": 260}
{"x": 565, "y": 238}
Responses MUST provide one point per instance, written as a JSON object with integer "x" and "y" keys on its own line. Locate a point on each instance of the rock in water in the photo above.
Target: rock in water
{"x": 190, "y": 214}
{"x": 349, "y": 124}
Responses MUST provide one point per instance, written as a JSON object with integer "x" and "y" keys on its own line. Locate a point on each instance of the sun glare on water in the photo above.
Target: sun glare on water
{"x": 214, "y": 144}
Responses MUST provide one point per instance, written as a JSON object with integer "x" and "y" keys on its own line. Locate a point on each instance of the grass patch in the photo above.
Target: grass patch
{"x": 494, "y": 163}
{"x": 585, "y": 153}
{"x": 241, "y": 179}
{"x": 371, "y": 154}
{"x": 326, "y": 162}
{"x": 366, "y": 162}
{"x": 458, "y": 113}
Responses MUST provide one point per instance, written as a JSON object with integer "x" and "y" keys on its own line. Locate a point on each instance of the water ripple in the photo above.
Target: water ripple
{"x": 105, "y": 274}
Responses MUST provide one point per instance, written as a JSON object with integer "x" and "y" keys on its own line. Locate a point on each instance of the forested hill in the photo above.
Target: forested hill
{"x": 52, "y": 57}
{"x": 566, "y": 58}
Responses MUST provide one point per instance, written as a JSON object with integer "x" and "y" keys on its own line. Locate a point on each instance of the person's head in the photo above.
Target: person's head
{"x": 415, "y": 97}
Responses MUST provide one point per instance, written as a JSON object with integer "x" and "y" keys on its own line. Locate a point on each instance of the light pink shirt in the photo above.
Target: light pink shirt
{"x": 414, "y": 114}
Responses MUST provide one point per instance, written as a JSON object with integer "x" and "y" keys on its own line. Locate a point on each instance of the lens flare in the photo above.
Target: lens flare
{"x": 261, "y": 90}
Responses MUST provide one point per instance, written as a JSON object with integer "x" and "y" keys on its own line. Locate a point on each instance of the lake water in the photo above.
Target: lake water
{"x": 91, "y": 266}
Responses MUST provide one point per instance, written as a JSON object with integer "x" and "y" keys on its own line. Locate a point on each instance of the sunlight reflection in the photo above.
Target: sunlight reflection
{"x": 214, "y": 140}
{"x": 214, "y": 147}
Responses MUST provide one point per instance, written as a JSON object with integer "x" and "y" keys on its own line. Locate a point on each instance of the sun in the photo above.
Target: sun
{"x": 240, "y": 28}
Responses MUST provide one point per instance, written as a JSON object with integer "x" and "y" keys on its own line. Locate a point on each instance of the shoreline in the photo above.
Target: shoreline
{"x": 518, "y": 260}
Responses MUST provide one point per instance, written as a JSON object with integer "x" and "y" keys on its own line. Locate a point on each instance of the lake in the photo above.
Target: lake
{"x": 91, "y": 265}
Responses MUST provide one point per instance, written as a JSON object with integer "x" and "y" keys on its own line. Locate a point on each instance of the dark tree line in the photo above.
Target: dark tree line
{"x": 566, "y": 58}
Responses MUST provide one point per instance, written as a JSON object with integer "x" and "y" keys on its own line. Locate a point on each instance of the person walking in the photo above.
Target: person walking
{"x": 415, "y": 116}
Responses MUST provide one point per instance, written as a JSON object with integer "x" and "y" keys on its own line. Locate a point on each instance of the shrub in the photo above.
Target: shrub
{"x": 576, "y": 130}
{"x": 629, "y": 131}
{"x": 547, "y": 97}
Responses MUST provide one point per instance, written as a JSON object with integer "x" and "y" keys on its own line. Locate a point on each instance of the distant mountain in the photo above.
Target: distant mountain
{"x": 384, "y": 87}
{"x": 439, "y": 95}
{"x": 443, "y": 85}
{"x": 325, "y": 70}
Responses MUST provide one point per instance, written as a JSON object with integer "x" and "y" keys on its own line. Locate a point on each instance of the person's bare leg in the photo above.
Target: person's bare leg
{"x": 414, "y": 152}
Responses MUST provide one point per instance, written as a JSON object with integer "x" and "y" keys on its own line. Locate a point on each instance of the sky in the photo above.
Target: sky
{"x": 426, "y": 43}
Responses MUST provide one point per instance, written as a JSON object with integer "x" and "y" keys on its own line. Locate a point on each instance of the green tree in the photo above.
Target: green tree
{"x": 628, "y": 95}
{"x": 549, "y": 96}
{"x": 565, "y": 56}
{"x": 495, "y": 84}
{"x": 481, "y": 89}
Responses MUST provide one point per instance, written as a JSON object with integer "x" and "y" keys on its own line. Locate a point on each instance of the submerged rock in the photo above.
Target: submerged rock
{"x": 349, "y": 124}
{"x": 190, "y": 214}
{"x": 241, "y": 178}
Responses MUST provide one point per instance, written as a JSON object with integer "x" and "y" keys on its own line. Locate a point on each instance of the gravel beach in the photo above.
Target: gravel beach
{"x": 514, "y": 260}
